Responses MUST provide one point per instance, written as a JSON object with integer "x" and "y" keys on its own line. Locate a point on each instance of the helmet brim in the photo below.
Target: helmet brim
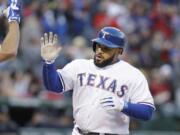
{"x": 104, "y": 42}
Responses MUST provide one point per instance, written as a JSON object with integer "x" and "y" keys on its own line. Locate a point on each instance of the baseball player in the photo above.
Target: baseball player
{"x": 107, "y": 91}
{"x": 9, "y": 47}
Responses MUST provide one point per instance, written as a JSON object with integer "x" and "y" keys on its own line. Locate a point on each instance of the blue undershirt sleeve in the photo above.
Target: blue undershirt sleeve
{"x": 51, "y": 78}
{"x": 138, "y": 111}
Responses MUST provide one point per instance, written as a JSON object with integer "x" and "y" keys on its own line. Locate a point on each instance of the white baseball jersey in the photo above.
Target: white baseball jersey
{"x": 91, "y": 83}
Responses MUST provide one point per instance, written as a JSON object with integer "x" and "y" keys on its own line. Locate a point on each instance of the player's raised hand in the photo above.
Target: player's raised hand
{"x": 49, "y": 49}
{"x": 112, "y": 103}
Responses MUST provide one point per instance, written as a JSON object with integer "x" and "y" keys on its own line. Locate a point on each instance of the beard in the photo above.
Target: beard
{"x": 106, "y": 62}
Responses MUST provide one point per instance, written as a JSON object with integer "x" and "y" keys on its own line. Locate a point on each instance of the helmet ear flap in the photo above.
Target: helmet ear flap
{"x": 94, "y": 46}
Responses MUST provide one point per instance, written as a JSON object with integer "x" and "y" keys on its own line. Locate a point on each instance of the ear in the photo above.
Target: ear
{"x": 120, "y": 51}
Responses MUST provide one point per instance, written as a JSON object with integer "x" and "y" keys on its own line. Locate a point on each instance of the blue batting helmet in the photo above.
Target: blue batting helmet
{"x": 110, "y": 37}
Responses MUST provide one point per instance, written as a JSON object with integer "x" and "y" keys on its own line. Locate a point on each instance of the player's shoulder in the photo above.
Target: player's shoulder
{"x": 134, "y": 71}
{"x": 80, "y": 61}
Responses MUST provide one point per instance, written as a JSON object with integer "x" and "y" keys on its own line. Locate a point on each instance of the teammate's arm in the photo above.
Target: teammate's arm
{"x": 9, "y": 47}
{"x": 10, "y": 44}
{"x": 49, "y": 52}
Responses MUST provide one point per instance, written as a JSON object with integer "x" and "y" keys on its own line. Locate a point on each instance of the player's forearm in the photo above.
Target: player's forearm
{"x": 138, "y": 111}
{"x": 11, "y": 42}
{"x": 51, "y": 78}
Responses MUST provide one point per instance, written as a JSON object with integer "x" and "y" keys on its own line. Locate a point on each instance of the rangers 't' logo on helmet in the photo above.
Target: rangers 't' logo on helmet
{"x": 104, "y": 34}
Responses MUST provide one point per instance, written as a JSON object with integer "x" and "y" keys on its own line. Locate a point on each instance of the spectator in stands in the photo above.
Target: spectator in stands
{"x": 6, "y": 125}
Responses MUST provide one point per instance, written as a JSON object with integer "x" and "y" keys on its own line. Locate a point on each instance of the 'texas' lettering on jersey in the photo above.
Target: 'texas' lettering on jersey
{"x": 102, "y": 82}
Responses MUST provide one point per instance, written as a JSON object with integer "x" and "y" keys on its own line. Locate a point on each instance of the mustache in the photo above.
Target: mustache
{"x": 104, "y": 63}
{"x": 98, "y": 55}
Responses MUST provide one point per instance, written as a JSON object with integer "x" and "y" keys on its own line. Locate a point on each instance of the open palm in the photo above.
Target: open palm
{"x": 49, "y": 48}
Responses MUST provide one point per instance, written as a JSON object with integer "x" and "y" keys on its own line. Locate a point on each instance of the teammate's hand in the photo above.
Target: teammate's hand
{"x": 13, "y": 11}
{"x": 112, "y": 103}
{"x": 49, "y": 49}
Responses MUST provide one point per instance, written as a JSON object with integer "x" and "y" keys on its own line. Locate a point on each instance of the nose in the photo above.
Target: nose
{"x": 98, "y": 50}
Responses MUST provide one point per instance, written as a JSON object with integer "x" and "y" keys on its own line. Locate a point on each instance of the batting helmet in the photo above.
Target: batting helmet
{"x": 110, "y": 37}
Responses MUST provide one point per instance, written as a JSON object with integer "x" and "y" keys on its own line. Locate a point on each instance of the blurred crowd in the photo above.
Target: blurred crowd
{"x": 152, "y": 28}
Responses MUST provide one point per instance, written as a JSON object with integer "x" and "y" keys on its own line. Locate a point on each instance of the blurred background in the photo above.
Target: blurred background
{"x": 153, "y": 30}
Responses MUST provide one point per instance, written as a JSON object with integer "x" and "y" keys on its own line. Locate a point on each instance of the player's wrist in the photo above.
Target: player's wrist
{"x": 10, "y": 20}
{"x": 125, "y": 106}
{"x": 13, "y": 23}
{"x": 121, "y": 105}
{"x": 48, "y": 61}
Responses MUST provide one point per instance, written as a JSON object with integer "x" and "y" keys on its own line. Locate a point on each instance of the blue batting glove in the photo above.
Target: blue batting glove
{"x": 13, "y": 12}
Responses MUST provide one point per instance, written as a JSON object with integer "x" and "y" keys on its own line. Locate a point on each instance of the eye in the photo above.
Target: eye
{"x": 106, "y": 48}
{"x": 103, "y": 48}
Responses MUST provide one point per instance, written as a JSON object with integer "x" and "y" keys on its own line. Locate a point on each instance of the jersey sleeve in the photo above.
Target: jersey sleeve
{"x": 140, "y": 92}
{"x": 67, "y": 75}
